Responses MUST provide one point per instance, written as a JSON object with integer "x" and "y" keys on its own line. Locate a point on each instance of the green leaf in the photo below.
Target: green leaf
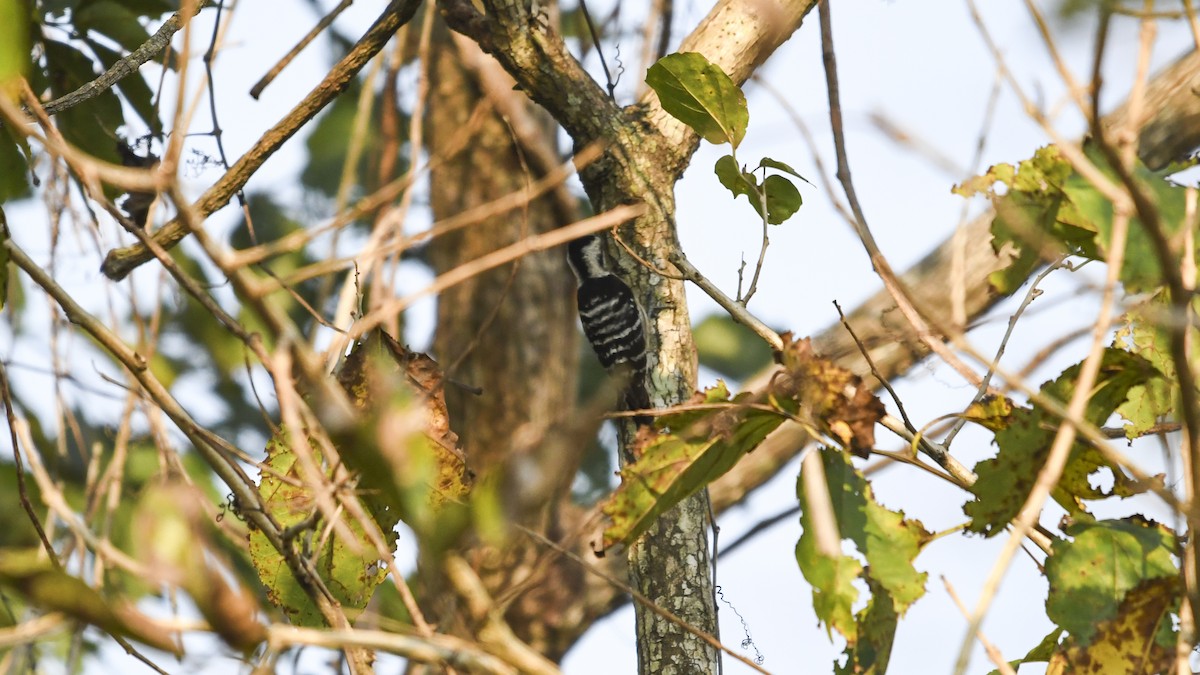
{"x": 1036, "y": 217}
{"x": 832, "y": 579}
{"x": 1146, "y": 333}
{"x": 768, "y": 163}
{"x": 1025, "y": 437}
{"x": 735, "y": 180}
{"x": 1048, "y": 209}
{"x": 113, "y": 20}
{"x": 887, "y": 541}
{"x": 675, "y": 466}
{"x": 730, "y": 348}
{"x": 1091, "y": 574}
{"x": 1140, "y": 271}
{"x": 870, "y": 652}
{"x": 350, "y": 576}
{"x": 700, "y": 94}
{"x": 783, "y": 199}
{"x": 781, "y": 196}
{"x": 1039, "y": 654}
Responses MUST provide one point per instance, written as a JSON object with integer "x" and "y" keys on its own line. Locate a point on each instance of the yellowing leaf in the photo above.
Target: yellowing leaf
{"x": 870, "y": 651}
{"x": 887, "y": 541}
{"x": 675, "y": 465}
{"x": 1024, "y": 438}
{"x": 1139, "y": 640}
{"x": 990, "y": 412}
{"x": 1046, "y": 209}
{"x": 1147, "y": 334}
{"x": 1091, "y": 574}
{"x": 350, "y": 570}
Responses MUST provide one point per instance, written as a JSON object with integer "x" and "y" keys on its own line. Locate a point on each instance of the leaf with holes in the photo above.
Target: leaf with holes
{"x": 351, "y": 570}
{"x": 887, "y": 540}
{"x": 1024, "y": 437}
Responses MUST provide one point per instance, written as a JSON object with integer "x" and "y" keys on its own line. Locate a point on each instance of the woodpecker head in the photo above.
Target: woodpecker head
{"x": 586, "y": 255}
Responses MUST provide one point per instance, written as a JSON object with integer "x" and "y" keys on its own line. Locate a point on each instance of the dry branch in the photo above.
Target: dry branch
{"x": 120, "y": 262}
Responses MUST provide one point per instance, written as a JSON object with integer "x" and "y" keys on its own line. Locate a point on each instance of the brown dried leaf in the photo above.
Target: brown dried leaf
{"x": 379, "y": 368}
{"x": 820, "y": 386}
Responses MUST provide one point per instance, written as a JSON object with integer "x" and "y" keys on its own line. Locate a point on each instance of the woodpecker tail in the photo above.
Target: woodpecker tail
{"x": 636, "y": 397}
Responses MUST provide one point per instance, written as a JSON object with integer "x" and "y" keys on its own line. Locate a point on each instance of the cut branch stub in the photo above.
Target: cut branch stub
{"x": 706, "y": 437}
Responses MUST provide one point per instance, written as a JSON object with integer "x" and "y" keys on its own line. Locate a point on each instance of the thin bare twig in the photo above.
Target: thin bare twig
{"x": 1032, "y": 294}
{"x": 859, "y": 222}
{"x": 1078, "y": 93}
{"x": 883, "y": 380}
{"x": 993, "y": 653}
{"x": 311, "y": 35}
{"x": 608, "y": 79}
{"x": 736, "y": 309}
{"x": 441, "y": 649}
{"x": 18, "y": 465}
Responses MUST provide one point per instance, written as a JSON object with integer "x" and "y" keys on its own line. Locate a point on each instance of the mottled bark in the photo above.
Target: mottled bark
{"x": 511, "y": 331}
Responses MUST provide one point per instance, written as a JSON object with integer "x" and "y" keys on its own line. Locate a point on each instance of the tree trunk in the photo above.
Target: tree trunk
{"x": 512, "y": 334}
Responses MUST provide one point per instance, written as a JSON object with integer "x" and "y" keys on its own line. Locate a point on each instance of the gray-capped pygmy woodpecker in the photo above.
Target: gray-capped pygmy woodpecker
{"x": 612, "y": 320}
